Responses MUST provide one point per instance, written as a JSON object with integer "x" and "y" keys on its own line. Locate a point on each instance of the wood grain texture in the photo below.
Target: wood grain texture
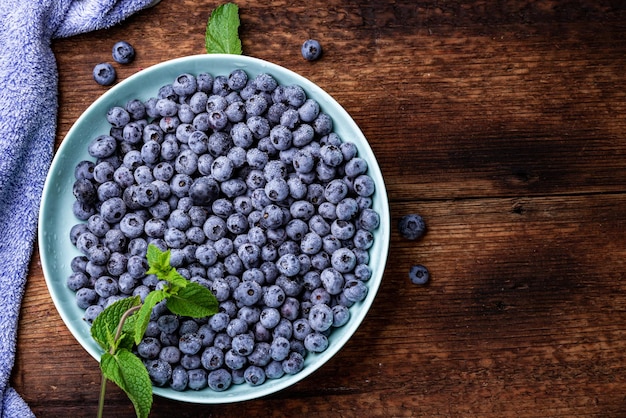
{"x": 503, "y": 124}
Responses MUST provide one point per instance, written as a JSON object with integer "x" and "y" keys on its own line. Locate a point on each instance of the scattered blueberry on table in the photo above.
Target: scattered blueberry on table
{"x": 412, "y": 226}
{"x": 104, "y": 74}
{"x": 419, "y": 274}
{"x": 123, "y": 52}
{"x": 311, "y": 49}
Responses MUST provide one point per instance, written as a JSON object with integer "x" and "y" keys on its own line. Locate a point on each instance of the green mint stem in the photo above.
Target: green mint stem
{"x": 120, "y": 326}
{"x": 103, "y": 380}
{"x": 103, "y": 391}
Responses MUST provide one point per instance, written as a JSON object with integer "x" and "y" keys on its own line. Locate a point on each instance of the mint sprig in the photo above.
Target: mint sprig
{"x": 122, "y": 325}
{"x": 222, "y": 31}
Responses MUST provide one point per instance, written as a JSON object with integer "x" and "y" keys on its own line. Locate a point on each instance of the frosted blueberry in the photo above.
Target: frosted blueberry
{"x": 184, "y": 84}
{"x": 355, "y": 290}
{"x": 179, "y": 379}
{"x": 254, "y": 375}
{"x": 123, "y": 52}
{"x": 412, "y": 226}
{"x": 274, "y": 370}
{"x": 149, "y": 348}
{"x": 104, "y": 74}
{"x": 219, "y": 380}
{"x": 294, "y": 363}
{"x": 419, "y": 274}
{"x": 315, "y": 342}
{"x": 102, "y": 146}
{"x": 311, "y": 50}
{"x": 332, "y": 280}
{"x": 197, "y": 379}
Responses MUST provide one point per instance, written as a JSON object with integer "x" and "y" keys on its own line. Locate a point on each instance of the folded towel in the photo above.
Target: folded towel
{"x": 28, "y": 111}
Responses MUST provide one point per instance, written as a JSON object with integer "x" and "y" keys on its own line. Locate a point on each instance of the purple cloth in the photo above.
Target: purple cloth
{"x": 28, "y": 112}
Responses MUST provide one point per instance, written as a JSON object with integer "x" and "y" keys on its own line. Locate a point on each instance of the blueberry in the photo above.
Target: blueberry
{"x": 281, "y": 137}
{"x": 104, "y": 74}
{"x": 170, "y": 354}
{"x": 364, "y": 185}
{"x": 323, "y": 124}
{"x": 290, "y": 309}
{"x": 185, "y": 85}
{"x": 274, "y": 370}
{"x": 259, "y": 126}
{"x": 303, "y": 135}
{"x": 419, "y": 274}
{"x": 92, "y": 312}
{"x": 311, "y": 50}
{"x": 198, "y": 379}
{"x": 106, "y": 286}
{"x": 248, "y": 293}
{"x": 320, "y": 317}
{"x": 219, "y": 380}
{"x": 412, "y": 226}
{"x": 254, "y": 375}
{"x": 315, "y": 342}
{"x": 277, "y": 189}
{"x": 168, "y": 323}
{"x": 84, "y": 191}
{"x": 236, "y": 326}
{"x": 206, "y": 255}
{"x": 320, "y": 295}
{"x": 219, "y": 321}
{"x": 103, "y": 171}
{"x": 355, "y": 290}
{"x": 233, "y": 360}
{"x": 368, "y": 220}
{"x": 179, "y": 379}
{"x": 343, "y": 260}
{"x": 301, "y": 328}
{"x": 123, "y": 52}
{"x": 117, "y": 116}
{"x": 288, "y": 265}
{"x": 309, "y": 110}
{"x": 102, "y": 146}
{"x": 85, "y": 241}
{"x": 204, "y": 82}
{"x": 332, "y": 280}
{"x": 212, "y": 358}
{"x": 341, "y": 315}
{"x": 166, "y": 107}
{"x": 149, "y": 348}
{"x": 84, "y": 170}
{"x": 77, "y": 280}
{"x": 243, "y": 344}
{"x": 335, "y": 191}
{"x": 294, "y": 363}
{"x": 85, "y": 297}
{"x": 203, "y": 191}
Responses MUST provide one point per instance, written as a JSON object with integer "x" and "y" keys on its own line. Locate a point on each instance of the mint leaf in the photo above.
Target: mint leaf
{"x": 128, "y": 372}
{"x": 194, "y": 300}
{"x": 159, "y": 264}
{"x": 143, "y": 316}
{"x": 222, "y": 31}
{"x": 105, "y": 325}
{"x": 158, "y": 261}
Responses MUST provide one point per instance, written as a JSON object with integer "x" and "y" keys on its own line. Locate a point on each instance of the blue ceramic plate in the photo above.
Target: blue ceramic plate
{"x": 56, "y": 218}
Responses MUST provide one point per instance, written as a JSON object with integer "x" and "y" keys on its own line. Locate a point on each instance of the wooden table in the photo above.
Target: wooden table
{"x": 503, "y": 124}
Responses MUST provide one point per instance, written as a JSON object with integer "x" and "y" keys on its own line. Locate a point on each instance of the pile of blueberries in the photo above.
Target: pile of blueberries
{"x": 246, "y": 183}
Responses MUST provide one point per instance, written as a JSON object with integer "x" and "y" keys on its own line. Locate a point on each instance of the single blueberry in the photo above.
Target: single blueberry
{"x": 123, "y": 52}
{"x": 311, "y": 49}
{"x": 412, "y": 226}
{"x": 104, "y": 74}
{"x": 419, "y": 274}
